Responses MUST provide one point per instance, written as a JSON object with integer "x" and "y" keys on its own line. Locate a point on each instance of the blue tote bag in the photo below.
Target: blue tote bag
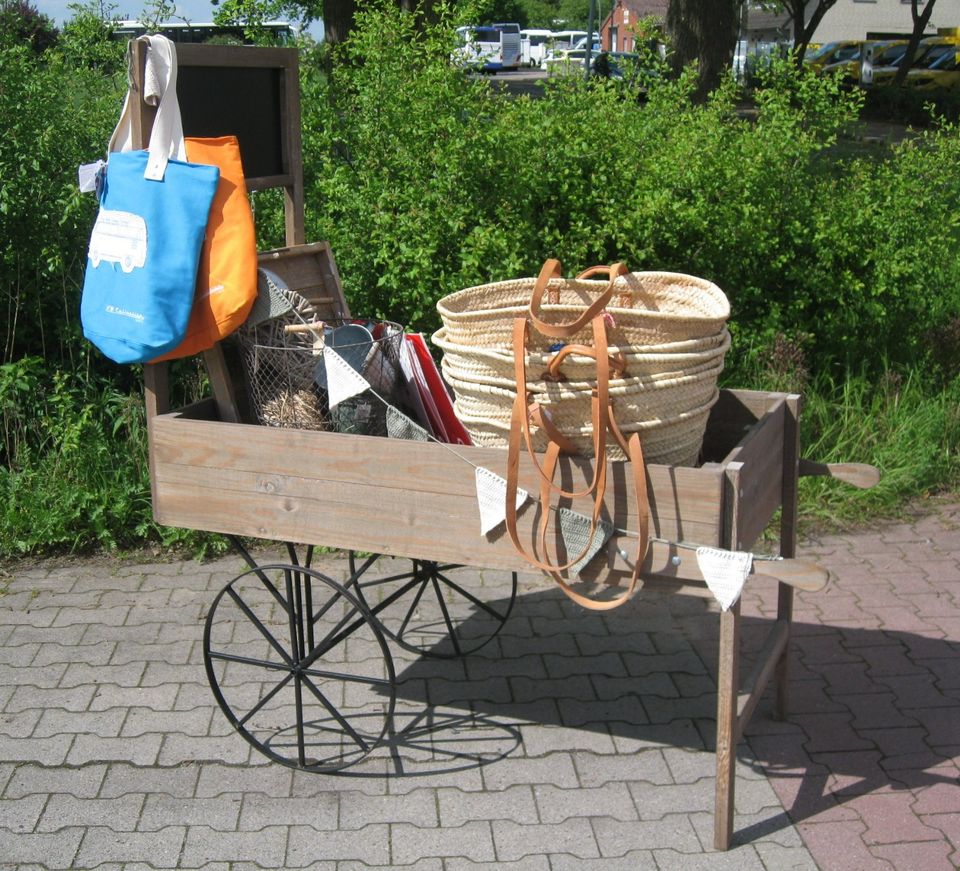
{"x": 145, "y": 246}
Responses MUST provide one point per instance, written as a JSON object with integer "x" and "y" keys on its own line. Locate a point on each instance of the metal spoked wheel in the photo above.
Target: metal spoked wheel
{"x": 426, "y": 610}
{"x": 300, "y": 667}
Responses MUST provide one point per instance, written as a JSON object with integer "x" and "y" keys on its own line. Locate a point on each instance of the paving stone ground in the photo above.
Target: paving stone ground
{"x": 571, "y": 741}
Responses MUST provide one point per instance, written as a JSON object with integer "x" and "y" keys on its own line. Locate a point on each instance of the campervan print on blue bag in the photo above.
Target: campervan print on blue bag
{"x": 143, "y": 256}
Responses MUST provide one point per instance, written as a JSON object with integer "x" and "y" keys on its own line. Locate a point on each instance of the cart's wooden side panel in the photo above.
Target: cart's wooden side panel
{"x": 758, "y": 460}
{"x": 388, "y": 496}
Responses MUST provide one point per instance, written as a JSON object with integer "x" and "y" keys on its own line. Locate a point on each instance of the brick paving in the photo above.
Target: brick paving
{"x": 571, "y": 741}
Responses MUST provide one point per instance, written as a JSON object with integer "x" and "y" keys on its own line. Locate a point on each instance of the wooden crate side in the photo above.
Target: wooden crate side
{"x": 330, "y": 489}
{"x": 759, "y": 479}
{"x": 311, "y": 270}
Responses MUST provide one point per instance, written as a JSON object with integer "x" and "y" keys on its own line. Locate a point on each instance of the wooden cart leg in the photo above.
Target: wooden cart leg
{"x": 728, "y": 688}
{"x": 788, "y": 543}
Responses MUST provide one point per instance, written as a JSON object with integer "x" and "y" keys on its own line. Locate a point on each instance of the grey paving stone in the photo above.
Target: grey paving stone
{"x": 643, "y": 766}
{"x": 143, "y": 721}
{"x": 162, "y": 811}
{"x": 599, "y": 714}
{"x": 213, "y": 779}
{"x": 675, "y": 733}
{"x": 605, "y": 664}
{"x": 73, "y": 699}
{"x": 94, "y": 633}
{"x": 469, "y": 779}
{"x": 101, "y": 844}
{"x": 123, "y": 779}
{"x": 55, "y": 721}
{"x": 554, "y": 768}
{"x": 654, "y": 804}
{"x": 35, "y": 779}
{"x": 526, "y": 689}
{"x": 266, "y": 848}
{"x": 21, "y": 814}
{"x": 115, "y": 616}
{"x": 45, "y": 751}
{"x": 514, "y": 841}
{"x": 611, "y": 800}
{"x": 472, "y": 840}
{"x": 20, "y": 655}
{"x": 307, "y": 845}
{"x": 674, "y": 832}
{"x": 49, "y": 850}
{"x": 159, "y": 698}
{"x": 513, "y": 803}
{"x": 418, "y": 807}
{"x": 119, "y": 814}
{"x": 635, "y": 860}
{"x": 19, "y": 725}
{"x": 26, "y": 634}
{"x": 540, "y": 740}
{"x": 259, "y": 811}
{"x": 527, "y": 863}
{"x": 741, "y": 859}
{"x": 94, "y": 748}
{"x": 778, "y": 858}
{"x": 655, "y": 684}
{"x": 177, "y": 749}
{"x": 82, "y": 673}
{"x": 124, "y": 652}
{"x": 93, "y": 654}
{"x": 34, "y": 617}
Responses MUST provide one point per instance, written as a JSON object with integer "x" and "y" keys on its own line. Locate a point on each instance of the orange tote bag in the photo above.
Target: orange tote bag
{"x": 227, "y": 276}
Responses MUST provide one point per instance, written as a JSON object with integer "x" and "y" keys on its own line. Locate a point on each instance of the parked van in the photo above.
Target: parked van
{"x": 489, "y": 47}
{"x": 534, "y": 45}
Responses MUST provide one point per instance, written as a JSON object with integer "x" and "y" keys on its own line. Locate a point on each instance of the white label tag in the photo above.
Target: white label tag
{"x": 87, "y": 176}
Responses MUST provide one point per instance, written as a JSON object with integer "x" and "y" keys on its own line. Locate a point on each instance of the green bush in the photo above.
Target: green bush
{"x": 426, "y": 181}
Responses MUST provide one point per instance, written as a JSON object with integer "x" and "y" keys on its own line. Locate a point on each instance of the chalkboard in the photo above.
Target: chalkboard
{"x": 217, "y": 101}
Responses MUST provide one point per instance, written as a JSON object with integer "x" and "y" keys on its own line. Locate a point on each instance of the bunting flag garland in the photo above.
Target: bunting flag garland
{"x": 343, "y": 381}
{"x": 575, "y": 531}
{"x": 725, "y": 572}
{"x": 399, "y": 426}
{"x": 492, "y": 499}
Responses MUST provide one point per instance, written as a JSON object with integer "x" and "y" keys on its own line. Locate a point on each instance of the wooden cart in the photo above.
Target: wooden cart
{"x": 300, "y": 662}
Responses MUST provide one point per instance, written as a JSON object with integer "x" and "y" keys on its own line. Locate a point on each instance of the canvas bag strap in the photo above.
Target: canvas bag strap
{"x": 160, "y": 90}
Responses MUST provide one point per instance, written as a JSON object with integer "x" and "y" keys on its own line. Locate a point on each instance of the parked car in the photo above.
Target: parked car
{"x": 564, "y": 60}
{"x": 938, "y": 66}
{"x": 833, "y": 53}
{"x": 882, "y": 54}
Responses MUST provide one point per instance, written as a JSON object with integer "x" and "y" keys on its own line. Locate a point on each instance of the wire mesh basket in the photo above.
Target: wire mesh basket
{"x": 286, "y": 376}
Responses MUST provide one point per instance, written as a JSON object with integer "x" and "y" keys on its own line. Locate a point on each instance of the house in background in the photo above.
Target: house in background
{"x": 846, "y": 19}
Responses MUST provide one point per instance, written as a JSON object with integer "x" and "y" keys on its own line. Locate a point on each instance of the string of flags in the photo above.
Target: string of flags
{"x": 725, "y": 572}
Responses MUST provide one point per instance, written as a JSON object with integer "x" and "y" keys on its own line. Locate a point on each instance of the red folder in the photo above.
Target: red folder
{"x": 442, "y": 404}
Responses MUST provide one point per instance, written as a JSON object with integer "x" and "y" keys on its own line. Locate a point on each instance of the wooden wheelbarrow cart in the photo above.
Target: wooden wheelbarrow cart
{"x": 300, "y": 662}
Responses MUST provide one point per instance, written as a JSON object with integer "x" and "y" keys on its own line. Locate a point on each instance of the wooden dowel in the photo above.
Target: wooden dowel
{"x": 305, "y": 328}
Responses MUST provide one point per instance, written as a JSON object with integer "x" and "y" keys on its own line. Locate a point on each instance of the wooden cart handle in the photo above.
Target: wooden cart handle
{"x": 859, "y": 475}
{"x": 797, "y": 573}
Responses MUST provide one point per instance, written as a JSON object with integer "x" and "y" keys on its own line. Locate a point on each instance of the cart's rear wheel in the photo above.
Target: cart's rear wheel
{"x": 300, "y": 667}
{"x": 430, "y": 608}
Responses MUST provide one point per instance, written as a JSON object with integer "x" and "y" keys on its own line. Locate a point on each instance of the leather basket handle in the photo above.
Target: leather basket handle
{"x": 551, "y": 269}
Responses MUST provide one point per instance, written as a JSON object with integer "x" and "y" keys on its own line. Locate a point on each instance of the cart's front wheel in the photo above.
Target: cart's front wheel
{"x": 299, "y": 667}
{"x": 430, "y": 608}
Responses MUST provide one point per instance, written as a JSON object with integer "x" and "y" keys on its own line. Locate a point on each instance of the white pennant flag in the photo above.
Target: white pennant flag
{"x": 399, "y": 426}
{"x": 492, "y": 499}
{"x": 575, "y": 531}
{"x": 725, "y": 572}
{"x": 343, "y": 381}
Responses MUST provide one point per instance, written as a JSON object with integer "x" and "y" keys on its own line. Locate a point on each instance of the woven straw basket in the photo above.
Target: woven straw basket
{"x": 648, "y": 308}
{"x": 672, "y": 441}
{"x": 495, "y": 367}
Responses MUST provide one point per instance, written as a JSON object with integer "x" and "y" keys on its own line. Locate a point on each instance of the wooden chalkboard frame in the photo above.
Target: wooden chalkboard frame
{"x": 284, "y": 61}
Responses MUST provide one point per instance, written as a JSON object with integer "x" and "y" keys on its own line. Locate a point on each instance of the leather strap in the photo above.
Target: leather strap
{"x": 603, "y": 420}
{"x": 551, "y": 269}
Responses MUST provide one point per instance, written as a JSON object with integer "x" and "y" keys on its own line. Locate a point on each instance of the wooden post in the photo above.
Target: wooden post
{"x": 788, "y": 543}
{"x": 728, "y": 677}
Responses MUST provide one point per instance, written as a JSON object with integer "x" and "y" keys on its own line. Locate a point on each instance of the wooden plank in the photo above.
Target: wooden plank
{"x": 728, "y": 676}
{"x": 221, "y": 383}
{"x": 759, "y": 459}
{"x": 307, "y": 268}
{"x": 299, "y": 463}
{"x": 788, "y": 542}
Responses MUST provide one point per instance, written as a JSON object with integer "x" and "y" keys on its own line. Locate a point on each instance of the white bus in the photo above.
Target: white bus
{"x": 490, "y": 47}
{"x": 534, "y": 44}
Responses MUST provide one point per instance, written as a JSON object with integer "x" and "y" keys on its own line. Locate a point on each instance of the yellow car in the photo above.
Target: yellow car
{"x": 884, "y": 55}
{"x": 938, "y": 67}
{"x": 833, "y": 53}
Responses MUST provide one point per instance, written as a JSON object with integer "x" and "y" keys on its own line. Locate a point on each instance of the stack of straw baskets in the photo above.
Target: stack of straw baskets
{"x": 669, "y": 328}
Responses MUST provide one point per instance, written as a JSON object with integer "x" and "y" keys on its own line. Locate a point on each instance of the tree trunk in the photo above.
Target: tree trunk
{"x": 920, "y": 21}
{"x": 803, "y": 30}
{"x": 337, "y": 20}
{"x": 705, "y": 31}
